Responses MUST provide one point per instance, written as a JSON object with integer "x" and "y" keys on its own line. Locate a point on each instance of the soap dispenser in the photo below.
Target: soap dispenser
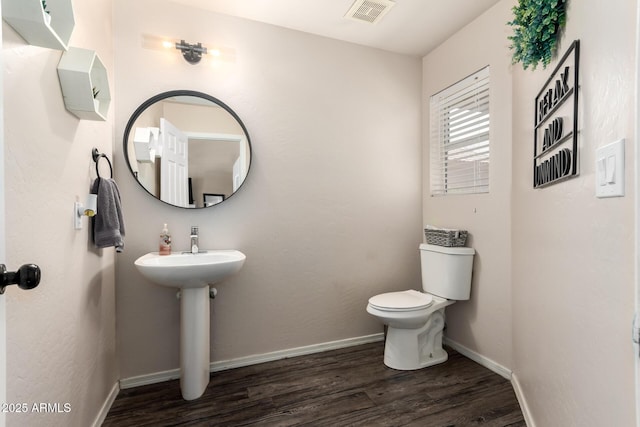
{"x": 165, "y": 241}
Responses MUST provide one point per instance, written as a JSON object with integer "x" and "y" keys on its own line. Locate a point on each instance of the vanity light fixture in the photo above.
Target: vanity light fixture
{"x": 89, "y": 209}
{"x": 192, "y": 53}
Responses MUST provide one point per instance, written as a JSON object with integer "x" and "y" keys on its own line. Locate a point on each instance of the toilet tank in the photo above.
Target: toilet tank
{"x": 446, "y": 272}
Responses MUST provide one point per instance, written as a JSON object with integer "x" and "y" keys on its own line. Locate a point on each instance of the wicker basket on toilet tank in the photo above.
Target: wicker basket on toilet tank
{"x": 445, "y": 237}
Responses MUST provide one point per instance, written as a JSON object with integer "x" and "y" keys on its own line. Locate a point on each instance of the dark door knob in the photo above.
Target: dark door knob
{"x": 27, "y": 277}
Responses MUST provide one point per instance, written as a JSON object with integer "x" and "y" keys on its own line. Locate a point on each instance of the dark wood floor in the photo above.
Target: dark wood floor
{"x": 347, "y": 387}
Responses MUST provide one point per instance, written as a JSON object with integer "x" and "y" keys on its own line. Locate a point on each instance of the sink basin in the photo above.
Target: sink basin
{"x": 192, "y": 273}
{"x": 186, "y": 270}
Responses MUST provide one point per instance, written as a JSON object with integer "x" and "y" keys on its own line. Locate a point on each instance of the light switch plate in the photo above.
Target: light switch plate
{"x": 610, "y": 170}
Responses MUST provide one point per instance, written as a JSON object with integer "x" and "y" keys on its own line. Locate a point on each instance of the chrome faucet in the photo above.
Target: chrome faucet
{"x": 194, "y": 240}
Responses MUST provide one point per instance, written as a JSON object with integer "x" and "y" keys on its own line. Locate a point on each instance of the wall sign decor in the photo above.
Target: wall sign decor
{"x": 555, "y": 153}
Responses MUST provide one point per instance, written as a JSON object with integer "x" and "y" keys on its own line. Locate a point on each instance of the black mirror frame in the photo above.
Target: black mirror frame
{"x": 169, "y": 94}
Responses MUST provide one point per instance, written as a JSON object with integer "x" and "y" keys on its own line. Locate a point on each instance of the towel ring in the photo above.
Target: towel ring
{"x": 96, "y": 155}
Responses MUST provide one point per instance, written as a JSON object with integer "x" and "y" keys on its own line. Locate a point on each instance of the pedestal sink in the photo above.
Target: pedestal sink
{"x": 192, "y": 274}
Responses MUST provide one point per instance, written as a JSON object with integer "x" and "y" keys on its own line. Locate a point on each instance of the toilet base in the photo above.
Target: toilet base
{"x": 410, "y": 349}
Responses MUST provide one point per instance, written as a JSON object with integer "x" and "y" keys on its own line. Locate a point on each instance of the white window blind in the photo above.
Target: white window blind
{"x": 460, "y": 137}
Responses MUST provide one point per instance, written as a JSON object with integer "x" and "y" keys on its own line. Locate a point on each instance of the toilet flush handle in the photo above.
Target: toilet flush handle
{"x": 27, "y": 277}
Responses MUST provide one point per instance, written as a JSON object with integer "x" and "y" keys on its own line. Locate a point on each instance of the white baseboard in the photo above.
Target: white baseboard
{"x": 480, "y": 359}
{"x": 107, "y": 405}
{"x": 523, "y": 402}
{"x": 252, "y": 360}
{"x": 498, "y": 369}
{"x": 156, "y": 377}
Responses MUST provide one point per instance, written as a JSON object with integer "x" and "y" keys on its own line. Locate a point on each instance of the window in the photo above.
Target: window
{"x": 460, "y": 137}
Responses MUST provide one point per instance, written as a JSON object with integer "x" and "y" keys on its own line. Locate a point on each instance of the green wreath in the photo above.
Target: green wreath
{"x": 536, "y": 25}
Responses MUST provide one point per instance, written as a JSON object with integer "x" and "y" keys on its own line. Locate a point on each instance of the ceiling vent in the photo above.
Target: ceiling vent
{"x": 370, "y": 11}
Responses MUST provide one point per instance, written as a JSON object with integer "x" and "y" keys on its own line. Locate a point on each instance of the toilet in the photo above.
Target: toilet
{"x": 415, "y": 320}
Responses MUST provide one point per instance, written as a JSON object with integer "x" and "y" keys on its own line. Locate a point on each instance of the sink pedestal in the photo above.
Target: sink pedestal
{"x": 192, "y": 274}
{"x": 194, "y": 341}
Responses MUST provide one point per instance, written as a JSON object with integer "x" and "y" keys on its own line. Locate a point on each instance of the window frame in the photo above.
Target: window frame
{"x": 460, "y": 143}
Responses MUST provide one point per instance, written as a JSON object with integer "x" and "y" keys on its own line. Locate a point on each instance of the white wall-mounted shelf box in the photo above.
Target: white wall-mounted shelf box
{"x": 145, "y": 143}
{"x": 80, "y": 71}
{"x": 37, "y": 27}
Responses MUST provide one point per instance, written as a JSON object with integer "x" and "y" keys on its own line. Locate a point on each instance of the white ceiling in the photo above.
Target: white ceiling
{"x": 411, "y": 27}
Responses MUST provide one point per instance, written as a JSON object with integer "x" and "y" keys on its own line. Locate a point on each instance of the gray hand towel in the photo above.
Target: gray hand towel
{"x": 108, "y": 224}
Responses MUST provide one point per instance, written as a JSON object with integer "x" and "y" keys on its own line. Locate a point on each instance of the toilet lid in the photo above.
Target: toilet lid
{"x": 401, "y": 301}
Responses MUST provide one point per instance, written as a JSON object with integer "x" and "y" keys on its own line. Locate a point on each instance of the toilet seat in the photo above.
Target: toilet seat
{"x": 401, "y": 301}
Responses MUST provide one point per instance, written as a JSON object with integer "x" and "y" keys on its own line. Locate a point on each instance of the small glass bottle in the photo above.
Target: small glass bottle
{"x": 165, "y": 241}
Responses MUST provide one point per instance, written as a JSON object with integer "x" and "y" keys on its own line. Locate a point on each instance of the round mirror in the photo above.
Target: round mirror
{"x": 187, "y": 149}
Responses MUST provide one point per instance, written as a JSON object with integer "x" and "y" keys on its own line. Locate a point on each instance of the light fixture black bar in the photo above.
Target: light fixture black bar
{"x": 192, "y": 53}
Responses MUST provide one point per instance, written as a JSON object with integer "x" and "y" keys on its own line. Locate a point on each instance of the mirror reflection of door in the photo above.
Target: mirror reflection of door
{"x": 218, "y": 150}
{"x": 174, "y": 167}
